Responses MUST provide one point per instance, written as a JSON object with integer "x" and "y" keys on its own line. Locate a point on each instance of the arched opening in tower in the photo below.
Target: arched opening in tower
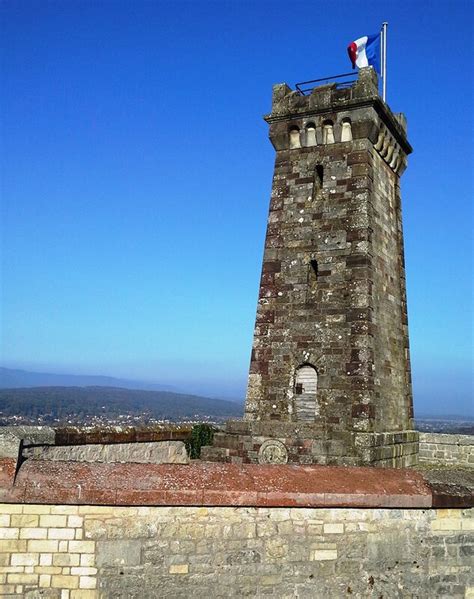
{"x": 306, "y": 387}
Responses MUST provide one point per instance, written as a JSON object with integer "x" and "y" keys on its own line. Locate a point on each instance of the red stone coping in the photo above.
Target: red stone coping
{"x": 215, "y": 484}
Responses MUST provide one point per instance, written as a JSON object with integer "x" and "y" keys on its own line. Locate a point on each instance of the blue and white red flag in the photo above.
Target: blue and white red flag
{"x": 365, "y": 51}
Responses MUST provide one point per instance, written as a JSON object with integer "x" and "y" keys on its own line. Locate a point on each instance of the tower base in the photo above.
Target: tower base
{"x": 266, "y": 442}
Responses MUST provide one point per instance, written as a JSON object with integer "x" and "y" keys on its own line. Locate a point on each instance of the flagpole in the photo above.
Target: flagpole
{"x": 384, "y": 61}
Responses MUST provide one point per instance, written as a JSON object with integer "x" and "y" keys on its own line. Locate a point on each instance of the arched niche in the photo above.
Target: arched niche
{"x": 294, "y": 138}
{"x": 310, "y": 134}
{"x": 346, "y": 131}
{"x": 328, "y": 132}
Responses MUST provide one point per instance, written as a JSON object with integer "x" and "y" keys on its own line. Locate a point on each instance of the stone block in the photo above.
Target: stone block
{"x": 323, "y": 554}
{"x": 65, "y": 559}
{"x": 25, "y": 559}
{"x": 43, "y": 435}
{"x": 53, "y": 521}
{"x": 81, "y": 546}
{"x": 12, "y": 545}
{"x": 61, "y": 533}
{"x": 29, "y": 579}
{"x": 179, "y": 569}
{"x": 65, "y": 582}
{"x": 45, "y": 580}
{"x": 87, "y": 560}
{"x": 9, "y": 533}
{"x": 42, "y": 546}
{"x": 160, "y": 452}
{"x": 37, "y": 509}
{"x": 83, "y": 571}
{"x": 84, "y": 594}
{"x": 65, "y": 509}
{"x": 87, "y": 582}
{"x": 118, "y": 552}
{"x": 75, "y": 521}
{"x": 215, "y": 454}
{"x": 24, "y": 520}
{"x": 333, "y": 528}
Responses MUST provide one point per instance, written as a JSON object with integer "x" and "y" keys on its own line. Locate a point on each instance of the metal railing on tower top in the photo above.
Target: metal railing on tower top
{"x": 314, "y": 82}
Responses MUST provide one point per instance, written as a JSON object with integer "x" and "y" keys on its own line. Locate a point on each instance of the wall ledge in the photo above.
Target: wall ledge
{"x": 214, "y": 484}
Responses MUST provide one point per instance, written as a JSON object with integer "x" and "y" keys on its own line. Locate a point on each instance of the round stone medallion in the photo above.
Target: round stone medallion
{"x": 272, "y": 452}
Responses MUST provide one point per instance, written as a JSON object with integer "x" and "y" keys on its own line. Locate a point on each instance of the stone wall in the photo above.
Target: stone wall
{"x": 447, "y": 450}
{"x": 242, "y": 441}
{"x": 81, "y": 435}
{"x": 393, "y": 402}
{"x": 87, "y": 552}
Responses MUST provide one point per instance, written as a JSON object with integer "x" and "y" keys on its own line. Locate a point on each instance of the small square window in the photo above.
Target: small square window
{"x": 299, "y": 389}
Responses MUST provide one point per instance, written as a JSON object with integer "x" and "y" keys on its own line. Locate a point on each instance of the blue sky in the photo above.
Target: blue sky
{"x": 136, "y": 175}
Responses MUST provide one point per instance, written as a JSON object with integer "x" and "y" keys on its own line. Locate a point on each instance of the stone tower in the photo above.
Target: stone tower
{"x": 329, "y": 376}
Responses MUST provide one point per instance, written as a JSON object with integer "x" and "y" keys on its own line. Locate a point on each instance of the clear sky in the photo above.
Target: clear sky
{"x": 136, "y": 175}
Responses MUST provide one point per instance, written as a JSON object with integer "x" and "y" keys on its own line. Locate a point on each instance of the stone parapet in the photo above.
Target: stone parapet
{"x": 336, "y": 103}
{"x": 161, "y": 452}
{"x": 447, "y": 450}
{"x": 44, "y": 435}
{"x": 80, "y": 435}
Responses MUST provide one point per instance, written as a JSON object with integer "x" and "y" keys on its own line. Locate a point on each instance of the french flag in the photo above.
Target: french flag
{"x": 365, "y": 51}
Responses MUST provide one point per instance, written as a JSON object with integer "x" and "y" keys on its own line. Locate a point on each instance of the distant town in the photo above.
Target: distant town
{"x": 98, "y": 406}
{"x": 99, "y": 421}
{"x": 445, "y": 425}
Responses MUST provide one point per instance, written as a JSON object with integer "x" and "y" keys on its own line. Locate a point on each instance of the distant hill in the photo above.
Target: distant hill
{"x": 11, "y": 378}
{"x": 81, "y": 405}
{"x": 445, "y": 417}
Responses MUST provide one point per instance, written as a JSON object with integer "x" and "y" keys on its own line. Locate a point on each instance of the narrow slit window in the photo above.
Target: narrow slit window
{"x": 312, "y": 279}
{"x": 320, "y": 174}
{"x": 318, "y": 181}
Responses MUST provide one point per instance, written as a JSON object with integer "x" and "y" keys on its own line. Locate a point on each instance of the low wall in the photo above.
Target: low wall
{"x": 87, "y": 552}
{"x": 447, "y": 450}
{"x": 80, "y": 435}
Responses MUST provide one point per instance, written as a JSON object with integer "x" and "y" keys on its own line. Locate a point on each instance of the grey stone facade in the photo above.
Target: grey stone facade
{"x": 330, "y": 370}
{"x": 287, "y": 553}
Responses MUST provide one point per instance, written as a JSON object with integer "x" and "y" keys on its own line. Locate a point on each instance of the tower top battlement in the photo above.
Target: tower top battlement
{"x": 360, "y": 102}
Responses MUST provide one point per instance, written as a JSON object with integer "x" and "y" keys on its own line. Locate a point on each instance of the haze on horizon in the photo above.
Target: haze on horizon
{"x": 136, "y": 176}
